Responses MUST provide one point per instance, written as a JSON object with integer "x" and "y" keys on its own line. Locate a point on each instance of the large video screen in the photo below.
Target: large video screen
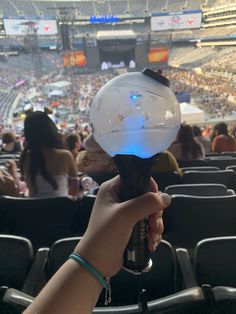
{"x": 176, "y": 20}
{"x": 74, "y": 59}
{"x": 28, "y": 26}
{"x": 158, "y": 55}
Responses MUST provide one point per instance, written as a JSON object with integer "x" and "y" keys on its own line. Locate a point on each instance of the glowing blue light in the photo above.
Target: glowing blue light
{"x": 133, "y": 97}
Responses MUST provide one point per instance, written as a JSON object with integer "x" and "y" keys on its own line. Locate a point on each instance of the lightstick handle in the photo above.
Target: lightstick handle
{"x": 135, "y": 174}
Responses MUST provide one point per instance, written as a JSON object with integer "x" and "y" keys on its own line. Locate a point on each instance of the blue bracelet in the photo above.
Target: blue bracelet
{"x": 103, "y": 280}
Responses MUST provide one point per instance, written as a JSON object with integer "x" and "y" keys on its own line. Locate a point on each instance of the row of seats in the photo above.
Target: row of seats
{"x": 200, "y": 174}
{"x": 173, "y": 285}
{"x": 221, "y": 162}
{"x": 187, "y": 220}
{"x": 44, "y": 220}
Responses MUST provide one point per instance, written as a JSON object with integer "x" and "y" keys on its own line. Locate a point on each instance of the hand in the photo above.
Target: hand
{"x": 111, "y": 225}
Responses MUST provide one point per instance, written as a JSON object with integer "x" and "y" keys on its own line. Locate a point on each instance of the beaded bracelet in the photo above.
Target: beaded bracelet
{"x": 103, "y": 280}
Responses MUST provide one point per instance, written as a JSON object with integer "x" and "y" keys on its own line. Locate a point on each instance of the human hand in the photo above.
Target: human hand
{"x": 112, "y": 221}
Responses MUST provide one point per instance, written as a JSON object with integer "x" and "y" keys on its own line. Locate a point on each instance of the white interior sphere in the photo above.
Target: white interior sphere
{"x": 133, "y": 114}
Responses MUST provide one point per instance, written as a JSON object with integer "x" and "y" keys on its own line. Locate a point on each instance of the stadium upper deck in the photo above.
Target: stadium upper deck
{"x": 106, "y": 7}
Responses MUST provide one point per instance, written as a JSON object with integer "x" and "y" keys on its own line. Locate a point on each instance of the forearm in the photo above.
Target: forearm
{"x": 71, "y": 290}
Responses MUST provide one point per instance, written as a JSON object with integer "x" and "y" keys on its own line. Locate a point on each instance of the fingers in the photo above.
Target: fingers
{"x": 153, "y": 186}
{"x": 145, "y": 205}
{"x": 156, "y": 229}
{"x": 137, "y": 208}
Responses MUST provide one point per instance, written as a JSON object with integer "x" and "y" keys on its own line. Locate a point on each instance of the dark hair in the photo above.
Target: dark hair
{"x": 71, "y": 140}
{"x": 8, "y": 138}
{"x": 185, "y": 137}
{"x": 196, "y": 130}
{"x": 40, "y": 131}
{"x": 221, "y": 128}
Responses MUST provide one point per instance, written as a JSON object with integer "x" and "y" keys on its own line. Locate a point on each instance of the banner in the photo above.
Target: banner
{"x": 26, "y": 26}
{"x": 176, "y": 20}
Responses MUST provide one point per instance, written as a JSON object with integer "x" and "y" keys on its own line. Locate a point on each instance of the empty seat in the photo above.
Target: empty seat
{"x": 192, "y": 163}
{"x": 159, "y": 282}
{"x": 42, "y": 220}
{"x": 222, "y": 162}
{"x": 226, "y": 177}
{"x": 16, "y": 257}
{"x": 190, "y": 219}
{"x": 102, "y": 176}
{"x": 85, "y": 209}
{"x": 215, "y": 261}
{"x": 185, "y": 169}
{"x": 164, "y": 179}
{"x": 205, "y": 189}
{"x": 231, "y": 168}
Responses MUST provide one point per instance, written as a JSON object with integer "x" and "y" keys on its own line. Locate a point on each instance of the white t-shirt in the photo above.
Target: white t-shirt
{"x": 45, "y": 189}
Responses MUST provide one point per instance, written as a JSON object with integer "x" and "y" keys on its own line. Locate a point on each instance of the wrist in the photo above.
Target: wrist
{"x": 100, "y": 260}
{"x": 104, "y": 281}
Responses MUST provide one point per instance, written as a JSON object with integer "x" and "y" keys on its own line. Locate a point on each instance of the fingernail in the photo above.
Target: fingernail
{"x": 165, "y": 198}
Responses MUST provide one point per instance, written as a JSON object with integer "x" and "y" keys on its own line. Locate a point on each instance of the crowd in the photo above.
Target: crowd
{"x": 211, "y": 94}
{"x": 52, "y": 161}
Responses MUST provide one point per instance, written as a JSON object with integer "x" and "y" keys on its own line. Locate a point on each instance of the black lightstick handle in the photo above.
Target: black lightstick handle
{"x": 135, "y": 174}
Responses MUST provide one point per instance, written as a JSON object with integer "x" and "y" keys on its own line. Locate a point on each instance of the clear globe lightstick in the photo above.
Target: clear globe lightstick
{"x": 134, "y": 117}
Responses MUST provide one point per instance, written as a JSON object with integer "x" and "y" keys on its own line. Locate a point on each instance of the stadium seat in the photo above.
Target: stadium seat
{"x": 205, "y": 189}
{"x": 226, "y": 177}
{"x": 232, "y": 154}
{"x": 215, "y": 260}
{"x": 85, "y": 209}
{"x": 190, "y": 219}
{"x": 184, "y": 169}
{"x": 213, "y": 263}
{"x": 231, "y": 168}
{"x": 159, "y": 282}
{"x": 214, "y": 267}
{"x": 42, "y": 220}
{"x": 16, "y": 257}
{"x": 102, "y": 177}
{"x": 192, "y": 163}
{"x": 18, "y": 267}
{"x": 183, "y": 302}
{"x": 164, "y": 179}
{"x": 222, "y": 162}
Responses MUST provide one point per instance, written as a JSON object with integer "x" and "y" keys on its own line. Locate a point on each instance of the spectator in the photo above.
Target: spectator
{"x": 206, "y": 143}
{"x": 9, "y": 143}
{"x": 94, "y": 159}
{"x": 186, "y": 147}
{"x": 73, "y": 144}
{"x": 47, "y": 168}
{"x": 166, "y": 163}
{"x": 223, "y": 142}
{"x": 9, "y": 180}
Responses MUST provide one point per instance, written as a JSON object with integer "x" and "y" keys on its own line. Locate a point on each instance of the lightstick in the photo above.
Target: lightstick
{"x": 134, "y": 117}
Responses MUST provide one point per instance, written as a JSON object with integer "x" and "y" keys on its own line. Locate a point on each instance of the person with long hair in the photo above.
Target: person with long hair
{"x": 186, "y": 147}
{"x": 73, "y": 144}
{"x": 47, "y": 168}
{"x": 222, "y": 140}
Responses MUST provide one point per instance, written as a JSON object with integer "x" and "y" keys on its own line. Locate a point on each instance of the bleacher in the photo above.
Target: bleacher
{"x": 25, "y": 8}
{"x": 88, "y": 8}
{"x": 6, "y": 101}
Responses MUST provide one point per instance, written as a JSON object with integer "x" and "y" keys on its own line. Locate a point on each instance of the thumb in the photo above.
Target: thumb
{"x": 145, "y": 205}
